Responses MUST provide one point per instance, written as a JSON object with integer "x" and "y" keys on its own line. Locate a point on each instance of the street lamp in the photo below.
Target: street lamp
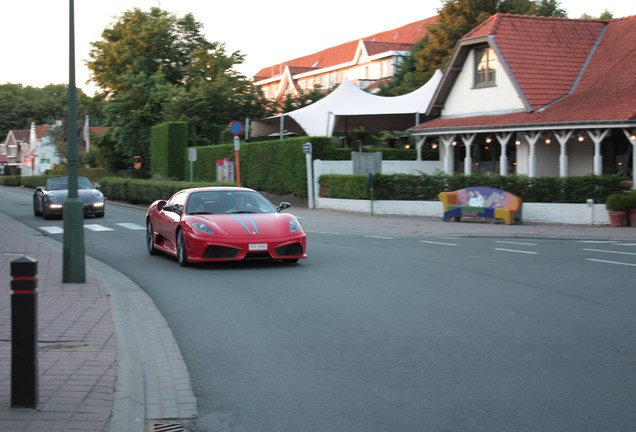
{"x": 73, "y": 262}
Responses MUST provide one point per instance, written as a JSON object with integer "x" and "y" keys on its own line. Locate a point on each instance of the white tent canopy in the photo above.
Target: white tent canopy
{"x": 348, "y": 107}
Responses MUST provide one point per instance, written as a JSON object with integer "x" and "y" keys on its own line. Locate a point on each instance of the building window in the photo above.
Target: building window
{"x": 485, "y": 67}
{"x": 3, "y": 149}
{"x": 13, "y": 150}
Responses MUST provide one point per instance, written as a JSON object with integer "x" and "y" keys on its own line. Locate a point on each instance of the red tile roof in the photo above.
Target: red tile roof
{"x": 401, "y": 38}
{"x": 570, "y": 71}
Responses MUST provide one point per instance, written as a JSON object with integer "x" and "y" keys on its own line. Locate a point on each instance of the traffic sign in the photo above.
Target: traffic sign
{"x": 235, "y": 127}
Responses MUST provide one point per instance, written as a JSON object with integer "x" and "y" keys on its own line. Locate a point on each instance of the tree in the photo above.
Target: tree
{"x": 455, "y": 19}
{"x": 155, "y": 67}
{"x": 20, "y": 106}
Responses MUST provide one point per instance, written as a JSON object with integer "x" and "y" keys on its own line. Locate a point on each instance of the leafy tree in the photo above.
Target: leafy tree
{"x": 20, "y": 106}
{"x": 155, "y": 67}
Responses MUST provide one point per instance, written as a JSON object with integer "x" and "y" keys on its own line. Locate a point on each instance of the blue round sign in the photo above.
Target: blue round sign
{"x": 235, "y": 127}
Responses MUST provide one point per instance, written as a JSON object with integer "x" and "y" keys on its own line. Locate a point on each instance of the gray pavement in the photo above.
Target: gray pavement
{"x": 108, "y": 361}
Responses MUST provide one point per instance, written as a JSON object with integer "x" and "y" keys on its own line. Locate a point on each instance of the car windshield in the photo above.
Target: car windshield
{"x": 228, "y": 202}
{"x": 61, "y": 183}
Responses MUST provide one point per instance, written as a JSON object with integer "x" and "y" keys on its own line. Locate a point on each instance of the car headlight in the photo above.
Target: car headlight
{"x": 294, "y": 225}
{"x": 98, "y": 196}
{"x": 53, "y": 198}
{"x": 200, "y": 226}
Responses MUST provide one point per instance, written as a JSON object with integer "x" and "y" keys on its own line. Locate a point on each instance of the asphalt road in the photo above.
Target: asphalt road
{"x": 380, "y": 331}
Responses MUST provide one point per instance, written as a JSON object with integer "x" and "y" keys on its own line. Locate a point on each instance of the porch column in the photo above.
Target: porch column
{"x": 447, "y": 140}
{"x": 532, "y": 139}
{"x": 468, "y": 160}
{"x": 419, "y": 143}
{"x": 503, "y": 139}
{"x": 597, "y": 137}
{"x": 562, "y": 138}
{"x": 632, "y": 139}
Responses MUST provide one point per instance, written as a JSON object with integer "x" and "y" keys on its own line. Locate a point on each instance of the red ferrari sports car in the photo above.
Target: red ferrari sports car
{"x": 223, "y": 224}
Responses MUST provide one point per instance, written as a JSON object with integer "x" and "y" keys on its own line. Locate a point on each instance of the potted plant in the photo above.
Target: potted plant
{"x": 631, "y": 208}
{"x": 617, "y": 205}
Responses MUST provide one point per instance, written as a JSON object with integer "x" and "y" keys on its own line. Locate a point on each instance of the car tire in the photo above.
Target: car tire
{"x": 150, "y": 239}
{"x": 45, "y": 213}
{"x": 182, "y": 255}
{"x": 36, "y": 212}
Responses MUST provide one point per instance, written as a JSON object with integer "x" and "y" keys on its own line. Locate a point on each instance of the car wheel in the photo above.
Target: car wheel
{"x": 182, "y": 256}
{"x": 150, "y": 239}
{"x": 45, "y": 213}
{"x": 36, "y": 211}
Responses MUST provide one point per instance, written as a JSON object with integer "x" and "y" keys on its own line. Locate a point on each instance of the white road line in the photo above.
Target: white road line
{"x": 596, "y": 241}
{"x": 450, "y": 238}
{"x": 611, "y": 262}
{"x": 132, "y": 226}
{"x": 52, "y": 229}
{"x": 97, "y": 227}
{"x": 515, "y": 243}
{"x": 380, "y": 237}
{"x": 517, "y": 251}
{"x": 611, "y": 252}
{"x": 439, "y": 243}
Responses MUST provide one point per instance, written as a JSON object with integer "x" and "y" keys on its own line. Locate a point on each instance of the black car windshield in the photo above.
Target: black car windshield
{"x": 228, "y": 202}
{"x": 61, "y": 183}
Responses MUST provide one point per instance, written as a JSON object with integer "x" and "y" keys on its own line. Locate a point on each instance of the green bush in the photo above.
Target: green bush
{"x": 617, "y": 202}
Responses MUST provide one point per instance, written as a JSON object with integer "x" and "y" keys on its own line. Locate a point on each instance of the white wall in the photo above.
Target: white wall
{"x": 464, "y": 99}
{"x": 571, "y": 214}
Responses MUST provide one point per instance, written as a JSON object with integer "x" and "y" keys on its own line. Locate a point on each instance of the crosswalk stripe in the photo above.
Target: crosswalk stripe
{"x": 52, "y": 229}
{"x": 97, "y": 227}
{"x": 92, "y": 227}
{"x": 132, "y": 226}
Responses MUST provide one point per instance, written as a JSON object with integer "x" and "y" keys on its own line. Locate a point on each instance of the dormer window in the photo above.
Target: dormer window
{"x": 485, "y": 67}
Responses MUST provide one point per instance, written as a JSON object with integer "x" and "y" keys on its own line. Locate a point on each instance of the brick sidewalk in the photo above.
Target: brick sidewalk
{"x": 77, "y": 349}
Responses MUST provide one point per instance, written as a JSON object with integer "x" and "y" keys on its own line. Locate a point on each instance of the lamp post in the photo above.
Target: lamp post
{"x": 73, "y": 262}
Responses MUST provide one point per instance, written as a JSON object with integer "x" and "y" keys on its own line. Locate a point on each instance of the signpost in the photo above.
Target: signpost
{"x": 192, "y": 157}
{"x": 236, "y": 128}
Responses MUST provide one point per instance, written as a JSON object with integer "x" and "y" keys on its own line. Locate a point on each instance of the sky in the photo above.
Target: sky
{"x": 34, "y": 45}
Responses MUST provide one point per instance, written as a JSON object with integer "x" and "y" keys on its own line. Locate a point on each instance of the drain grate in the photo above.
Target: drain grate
{"x": 165, "y": 426}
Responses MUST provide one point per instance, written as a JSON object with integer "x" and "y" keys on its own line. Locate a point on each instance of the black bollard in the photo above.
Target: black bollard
{"x": 24, "y": 333}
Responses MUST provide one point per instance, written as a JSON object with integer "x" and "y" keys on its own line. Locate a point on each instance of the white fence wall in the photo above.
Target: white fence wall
{"x": 582, "y": 214}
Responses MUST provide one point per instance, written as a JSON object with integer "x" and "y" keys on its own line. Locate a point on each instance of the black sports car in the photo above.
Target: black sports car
{"x": 48, "y": 200}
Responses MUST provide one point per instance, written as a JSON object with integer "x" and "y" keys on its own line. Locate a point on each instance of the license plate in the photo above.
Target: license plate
{"x": 258, "y": 246}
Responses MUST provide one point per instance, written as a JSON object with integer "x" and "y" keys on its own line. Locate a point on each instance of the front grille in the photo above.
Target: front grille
{"x": 289, "y": 250}
{"x": 219, "y": 252}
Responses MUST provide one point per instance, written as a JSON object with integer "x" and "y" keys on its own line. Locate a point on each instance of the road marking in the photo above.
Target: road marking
{"x": 611, "y": 262}
{"x": 439, "y": 243}
{"x": 380, "y": 237}
{"x": 596, "y": 241}
{"x": 608, "y": 251}
{"x": 517, "y": 251}
{"x": 132, "y": 226}
{"x": 97, "y": 227}
{"x": 52, "y": 229}
{"x": 515, "y": 243}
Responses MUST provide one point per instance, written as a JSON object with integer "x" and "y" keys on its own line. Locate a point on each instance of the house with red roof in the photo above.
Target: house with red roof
{"x": 538, "y": 96}
{"x": 33, "y": 151}
{"x": 366, "y": 63}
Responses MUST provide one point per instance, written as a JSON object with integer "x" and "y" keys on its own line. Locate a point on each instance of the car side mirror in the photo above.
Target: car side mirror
{"x": 282, "y": 206}
{"x": 171, "y": 208}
